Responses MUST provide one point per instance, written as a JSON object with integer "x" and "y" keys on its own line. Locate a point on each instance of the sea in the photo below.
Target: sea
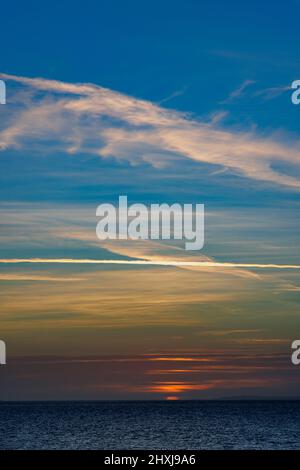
{"x": 174, "y": 425}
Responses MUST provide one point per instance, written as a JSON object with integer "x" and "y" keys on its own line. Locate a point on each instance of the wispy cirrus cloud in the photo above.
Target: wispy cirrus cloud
{"x": 239, "y": 91}
{"x": 273, "y": 92}
{"x": 84, "y": 118}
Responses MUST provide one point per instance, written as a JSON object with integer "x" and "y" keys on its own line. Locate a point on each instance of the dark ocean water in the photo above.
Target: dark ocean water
{"x": 150, "y": 425}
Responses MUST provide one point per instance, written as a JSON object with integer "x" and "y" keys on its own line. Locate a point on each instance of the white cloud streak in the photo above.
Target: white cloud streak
{"x": 175, "y": 263}
{"x": 85, "y": 118}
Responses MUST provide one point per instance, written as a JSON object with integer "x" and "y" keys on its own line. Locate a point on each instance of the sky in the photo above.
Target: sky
{"x": 165, "y": 102}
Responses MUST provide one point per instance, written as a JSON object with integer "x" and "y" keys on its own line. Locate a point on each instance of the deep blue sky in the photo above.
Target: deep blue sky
{"x": 153, "y": 49}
